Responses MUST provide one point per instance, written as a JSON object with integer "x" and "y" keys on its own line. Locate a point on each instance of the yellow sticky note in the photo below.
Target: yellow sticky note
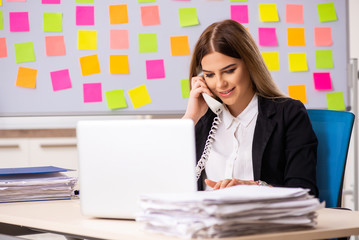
{"x": 335, "y": 101}
{"x": 296, "y": 36}
{"x": 298, "y": 92}
{"x": 119, "y": 64}
{"x": 118, "y": 14}
{"x": 139, "y": 96}
{"x": 0, "y": 2}
{"x": 89, "y": 65}
{"x": 297, "y": 62}
{"x": 87, "y": 39}
{"x": 179, "y": 45}
{"x": 268, "y": 13}
{"x": 272, "y": 60}
{"x": 26, "y": 77}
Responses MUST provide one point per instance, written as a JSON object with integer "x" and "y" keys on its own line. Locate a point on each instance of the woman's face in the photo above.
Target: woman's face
{"x": 228, "y": 78}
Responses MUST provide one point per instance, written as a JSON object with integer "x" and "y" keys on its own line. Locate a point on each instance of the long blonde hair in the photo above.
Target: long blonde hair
{"x": 230, "y": 38}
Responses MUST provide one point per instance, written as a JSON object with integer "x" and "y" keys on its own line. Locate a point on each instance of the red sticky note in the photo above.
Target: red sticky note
{"x": 155, "y": 69}
{"x": 119, "y": 39}
{"x": 239, "y": 13}
{"x": 267, "y": 37}
{"x": 19, "y": 21}
{"x": 50, "y": 1}
{"x": 323, "y": 36}
{"x": 294, "y": 13}
{"x": 55, "y": 46}
{"x": 150, "y": 15}
{"x": 85, "y": 15}
{"x": 60, "y": 80}
{"x": 92, "y": 92}
{"x": 322, "y": 81}
{"x": 3, "y": 49}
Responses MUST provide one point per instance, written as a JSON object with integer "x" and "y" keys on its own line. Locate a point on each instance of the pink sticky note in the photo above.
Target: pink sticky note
{"x": 150, "y": 15}
{"x": 3, "y": 49}
{"x": 322, "y": 81}
{"x": 119, "y": 39}
{"x": 155, "y": 69}
{"x": 19, "y": 21}
{"x": 323, "y": 36}
{"x": 294, "y": 13}
{"x": 60, "y": 80}
{"x": 15, "y": 0}
{"x": 55, "y": 46}
{"x": 239, "y": 13}
{"x": 92, "y": 92}
{"x": 50, "y": 1}
{"x": 267, "y": 37}
{"x": 85, "y": 15}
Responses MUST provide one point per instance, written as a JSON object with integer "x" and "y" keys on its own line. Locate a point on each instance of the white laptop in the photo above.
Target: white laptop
{"x": 121, "y": 159}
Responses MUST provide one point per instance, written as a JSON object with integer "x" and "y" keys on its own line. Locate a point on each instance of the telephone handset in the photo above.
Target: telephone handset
{"x": 213, "y": 104}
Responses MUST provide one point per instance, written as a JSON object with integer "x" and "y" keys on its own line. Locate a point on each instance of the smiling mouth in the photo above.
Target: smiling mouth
{"x": 225, "y": 93}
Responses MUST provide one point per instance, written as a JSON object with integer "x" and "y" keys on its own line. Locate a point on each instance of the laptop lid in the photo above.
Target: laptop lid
{"x": 121, "y": 159}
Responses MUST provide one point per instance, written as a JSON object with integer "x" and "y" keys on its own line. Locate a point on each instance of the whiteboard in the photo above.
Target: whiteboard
{"x": 165, "y": 93}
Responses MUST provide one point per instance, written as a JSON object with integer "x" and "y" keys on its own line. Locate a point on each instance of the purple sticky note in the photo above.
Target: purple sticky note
{"x": 322, "y": 81}
{"x": 19, "y": 21}
{"x": 239, "y": 13}
{"x": 85, "y": 15}
{"x": 92, "y": 92}
{"x": 50, "y": 1}
{"x": 155, "y": 69}
{"x": 60, "y": 80}
{"x": 267, "y": 37}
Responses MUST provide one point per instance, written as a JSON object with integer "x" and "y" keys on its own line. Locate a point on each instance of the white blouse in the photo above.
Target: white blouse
{"x": 231, "y": 152}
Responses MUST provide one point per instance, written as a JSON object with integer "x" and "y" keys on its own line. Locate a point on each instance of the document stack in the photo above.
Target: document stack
{"x": 234, "y": 211}
{"x": 35, "y": 183}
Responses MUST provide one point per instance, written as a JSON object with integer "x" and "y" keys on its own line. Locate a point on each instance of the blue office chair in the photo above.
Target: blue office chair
{"x": 333, "y": 130}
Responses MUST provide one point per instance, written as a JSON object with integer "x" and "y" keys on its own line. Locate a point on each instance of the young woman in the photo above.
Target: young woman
{"x": 261, "y": 136}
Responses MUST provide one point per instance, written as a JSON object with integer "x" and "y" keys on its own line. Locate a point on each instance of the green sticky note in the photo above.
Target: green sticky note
{"x": 324, "y": 59}
{"x": 335, "y": 101}
{"x": 185, "y": 88}
{"x": 268, "y": 13}
{"x": 326, "y": 12}
{"x": 1, "y": 21}
{"x": 52, "y": 22}
{"x": 188, "y": 17}
{"x": 116, "y": 99}
{"x": 24, "y": 52}
{"x": 84, "y": 1}
{"x": 297, "y": 62}
{"x": 147, "y": 42}
{"x": 146, "y": 1}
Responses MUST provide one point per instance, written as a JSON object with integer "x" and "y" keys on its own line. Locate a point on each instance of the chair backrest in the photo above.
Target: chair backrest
{"x": 333, "y": 130}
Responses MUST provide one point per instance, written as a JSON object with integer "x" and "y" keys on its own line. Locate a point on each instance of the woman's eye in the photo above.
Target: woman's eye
{"x": 209, "y": 75}
{"x": 230, "y": 70}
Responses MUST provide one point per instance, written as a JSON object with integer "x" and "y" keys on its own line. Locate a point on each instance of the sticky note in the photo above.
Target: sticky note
{"x": 119, "y": 39}
{"x": 268, "y": 13}
{"x": 15, "y": 0}
{"x": 326, "y": 12}
{"x": 52, "y": 22}
{"x": 139, "y": 96}
{"x": 298, "y": 92}
{"x": 118, "y": 14}
{"x": 335, "y": 101}
{"x": 146, "y": 1}
{"x": 323, "y": 59}
{"x": 92, "y": 92}
{"x": 89, "y": 65}
{"x": 26, "y": 77}
{"x": 50, "y": 1}
{"x": 297, "y": 62}
{"x": 19, "y": 21}
{"x": 115, "y": 99}
{"x": 87, "y": 39}
{"x": 179, "y": 45}
{"x": 84, "y": 1}
{"x": 1, "y": 21}
{"x": 119, "y": 64}
{"x": 295, "y": 37}
{"x": 323, "y": 36}
{"x": 0, "y": 2}
{"x": 155, "y": 69}
{"x": 322, "y": 81}
{"x": 3, "y": 48}
{"x": 24, "y": 52}
{"x": 185, "y": 88}
{"x": 267, "y": 37}
{"x": 147, "y": 42}
{"x": 294, "y": 13}
{"x": 271, "y": 59}
{"x": 55, "y": 46}
{"x": 188, "y": 17}
{"x": 150, "y": 15}
{"x": 60, "y": 80}
{"x": 239, "y": 13}
{"x": 85, "y": 15}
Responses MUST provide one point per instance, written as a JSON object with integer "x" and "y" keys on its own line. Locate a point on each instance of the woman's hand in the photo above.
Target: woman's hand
{"x": 228, "y": 183}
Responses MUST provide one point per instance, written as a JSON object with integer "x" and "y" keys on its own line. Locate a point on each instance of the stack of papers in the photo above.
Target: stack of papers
{"x": 35, "y": 183}
{"x": 228, "y": 212}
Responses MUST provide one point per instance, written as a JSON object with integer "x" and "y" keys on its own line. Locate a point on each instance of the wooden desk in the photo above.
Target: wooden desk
{"x": 64, "y": 217}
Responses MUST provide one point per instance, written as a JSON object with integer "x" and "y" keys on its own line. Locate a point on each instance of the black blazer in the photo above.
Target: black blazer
{"x": 284, "y": 150}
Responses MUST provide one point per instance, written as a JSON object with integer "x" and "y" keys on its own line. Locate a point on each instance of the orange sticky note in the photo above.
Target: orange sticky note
{"x": 298, "y": 92}
{"x": 89, "y": 65}
{"x": 118, "y": 14}
{"x": 179, "y": 45}
{"x": 119, "y": 64}
{"x": 323, "y": 36}
{"x": 295, "y": 37}
{"x": 26, "y": 77}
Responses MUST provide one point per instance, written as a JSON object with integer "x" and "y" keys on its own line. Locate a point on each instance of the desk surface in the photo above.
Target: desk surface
{"x": 65, "y": 217}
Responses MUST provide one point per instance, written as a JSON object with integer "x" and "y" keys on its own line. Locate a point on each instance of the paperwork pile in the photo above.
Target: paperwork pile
{"x": 233, "y": 211}
{"x": 35, "y": 183}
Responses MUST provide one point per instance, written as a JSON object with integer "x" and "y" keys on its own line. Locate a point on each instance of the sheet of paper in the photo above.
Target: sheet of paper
{"x": 326, "y": 12}
{"x": 146, "y": 1}
{"x": 297, "y": 62}
{"x": 179, "y": 45}
{"x": 87, "y": 39}
{"x": 324, "y": 59}
{"x": 268, "y": 13}
{"x": 335, "y": 101}
{"x": 147, "y": 42}
{"x": 118, "y": 14}
{"x": 119, "y": 39}
{"x": 19, "y": 21}
{"x": 298, "y": 92}
{"x": 119, "y": 64}
{"x": 89, "y": 65}
{"x": 139, "y": 96}
{"x": 52, "y": 22}
{"x": 85, "y": 15}
{"x": 60, "y": 80}
{"x": 185, "y": 88}
{"x": 55, "y": 46}
{"x": 24, "y": 52}
{"x": 150, "y": 15}
{"x": 323, "y": 36}
{"x": 155, "y": 69}
{"x": 50, "y": 1}
{"x": 267, "y": 37}
{"x": 322, "y": 81}
{"x": 92, "y": 92}
{"x": 1, "y": 21}
{"x": 271, "y": 59}
{"x": 84, "y": 1}
{"x": 239, "y": 13}
{"x": 115, "y": 99}
{"x": 296, "y": 37}
{"x": 188, "y": 17}
{"x": 3, "y": 48}
{"x": 26, "y": 77}
{"x": 294, "y": 13}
